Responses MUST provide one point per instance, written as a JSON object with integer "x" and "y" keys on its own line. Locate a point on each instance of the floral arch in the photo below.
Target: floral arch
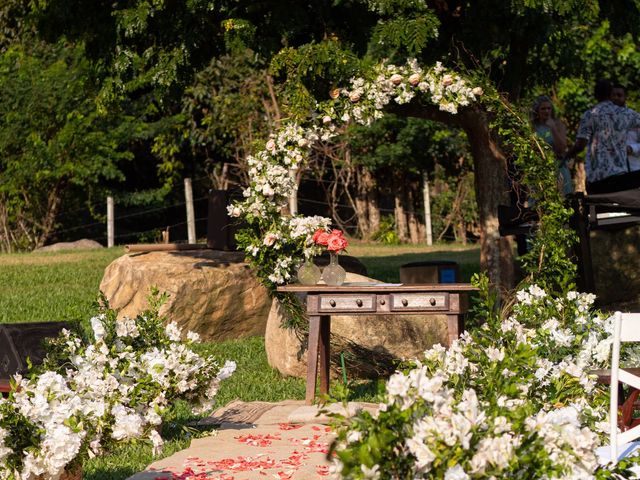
{"x": 275, "y": 244}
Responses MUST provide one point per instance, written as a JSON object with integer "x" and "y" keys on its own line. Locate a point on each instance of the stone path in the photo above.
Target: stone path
{"x": 257, "y": 440}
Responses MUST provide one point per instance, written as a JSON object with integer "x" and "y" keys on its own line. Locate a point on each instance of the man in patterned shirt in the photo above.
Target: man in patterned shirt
{"x": 603, "y": 130}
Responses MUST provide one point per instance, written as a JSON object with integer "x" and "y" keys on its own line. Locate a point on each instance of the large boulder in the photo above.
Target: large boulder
{"x": 82, "y": 244}
{"x": 213, "y": 293}
{"x": 371, "y": 345}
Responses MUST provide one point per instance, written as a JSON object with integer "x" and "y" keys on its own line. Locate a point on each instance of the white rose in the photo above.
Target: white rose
{"x": 227, "y": 370}
{"x": 173, "y": 332}
{"x": 414, "y": 79}
{"x": 354, "y": 96}
{"x": 270, "y": 239}
{"x": 456, "y": 473}
{"x": 396, "y": 79}
{"x": 326, "y": 119}
{"x": 447, "y": 80}
{"x": 268, "y": 191}
{"x": 477, "y": 91}
{"x": 271, "y": 145}
{"x": 193, "y": 337}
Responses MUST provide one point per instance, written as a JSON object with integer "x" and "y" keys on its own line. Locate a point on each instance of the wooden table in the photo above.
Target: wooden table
{"x": 322, "y": 301}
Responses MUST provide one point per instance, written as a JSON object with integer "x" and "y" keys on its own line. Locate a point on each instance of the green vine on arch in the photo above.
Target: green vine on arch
{"x": 548, "y": 262}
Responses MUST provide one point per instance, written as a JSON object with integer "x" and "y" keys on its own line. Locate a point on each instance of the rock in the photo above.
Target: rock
{"x": 213, "y": 293}
{"x": 84, "y": 244}
{"x": 371, "y": 344}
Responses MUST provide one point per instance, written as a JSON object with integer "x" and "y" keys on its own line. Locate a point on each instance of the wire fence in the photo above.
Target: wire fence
{"x": 146, "y": 224}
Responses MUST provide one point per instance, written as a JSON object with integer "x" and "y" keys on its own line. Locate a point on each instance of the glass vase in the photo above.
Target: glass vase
{"x": 309, "y": 273}
{"x": 333, "y": 274}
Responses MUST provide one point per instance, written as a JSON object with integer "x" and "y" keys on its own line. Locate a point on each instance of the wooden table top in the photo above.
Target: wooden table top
{"x": 379, "y": 287}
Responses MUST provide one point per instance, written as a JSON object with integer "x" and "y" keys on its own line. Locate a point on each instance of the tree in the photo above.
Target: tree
{"x": 403, "y": 149}
{"x": 230, "y": 105}
{"x": 51, "y": 138}
{"x": 514, "y": 48}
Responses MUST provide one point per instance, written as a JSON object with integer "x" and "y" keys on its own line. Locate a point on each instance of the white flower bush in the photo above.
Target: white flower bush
{"x": 276, "y": 245}
{"x": 515, "y": 399}
{"x": 88, "y": 397}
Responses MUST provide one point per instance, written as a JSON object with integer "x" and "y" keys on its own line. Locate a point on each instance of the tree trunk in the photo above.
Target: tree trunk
{"x": 362, "y": 206}
{"x": 411, "y": 214}
{"x": 49, "y": 218}
{"x": 399, "y": 210}
{"x": 372, "y": 202}
{"x": 496, "y": 253}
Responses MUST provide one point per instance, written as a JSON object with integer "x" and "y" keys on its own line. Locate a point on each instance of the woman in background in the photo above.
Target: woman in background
{"x": 554, "y": 133}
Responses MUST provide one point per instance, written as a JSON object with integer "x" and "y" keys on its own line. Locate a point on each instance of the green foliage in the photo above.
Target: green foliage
{"x": 311, "y": 71}
{"x": 410, "y": 35}
{"x": 387, "y": 232}
{"x": 26, "y": 433}
{"x": 51, "y": 136}
{"x": 547, "y": 263}
{"x": 228, "y": 108}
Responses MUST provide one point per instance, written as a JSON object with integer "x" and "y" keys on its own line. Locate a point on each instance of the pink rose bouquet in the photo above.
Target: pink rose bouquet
{"x": 333, "y": 240}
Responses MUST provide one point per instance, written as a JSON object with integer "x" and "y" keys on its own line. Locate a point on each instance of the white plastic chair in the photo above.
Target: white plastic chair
{"x": 626, "y": 329}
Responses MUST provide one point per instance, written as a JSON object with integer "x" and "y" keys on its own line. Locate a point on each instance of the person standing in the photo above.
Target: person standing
{"x": 554, "y": 133}
{"x": 619, "y": 97}
{"x": 603, "y": 130}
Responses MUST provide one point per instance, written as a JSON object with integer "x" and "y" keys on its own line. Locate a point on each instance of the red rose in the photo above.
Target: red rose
{"x": 336, "y": 243}
{"x": 320, "y": 237}
{"x": 337, "y": 232}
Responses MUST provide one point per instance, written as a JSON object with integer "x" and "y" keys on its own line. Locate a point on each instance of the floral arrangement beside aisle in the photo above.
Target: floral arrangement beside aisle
{"x": 513, "y": 399}
{"x": 87, "y": 397}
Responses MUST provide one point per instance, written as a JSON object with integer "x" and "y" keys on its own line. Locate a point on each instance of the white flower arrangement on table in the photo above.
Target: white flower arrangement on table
{"x": 89, "y": 397}
{"x": 267, "y": 240}
{"x": 507, "y": 401}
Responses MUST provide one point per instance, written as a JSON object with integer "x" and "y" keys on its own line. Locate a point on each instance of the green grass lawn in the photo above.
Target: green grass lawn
{"x": 39, "y": 287}
{"x": 64, "y": 286}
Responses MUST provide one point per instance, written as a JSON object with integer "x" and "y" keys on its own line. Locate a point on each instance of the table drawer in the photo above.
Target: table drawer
{"x": 347, "y": 303}
{"x": 419, "y": 301}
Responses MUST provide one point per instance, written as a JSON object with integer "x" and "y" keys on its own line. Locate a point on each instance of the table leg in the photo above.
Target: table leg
{"x": 312, "y": 357}
{"x": 325, "y": 351}
{"x": 455, "y": 326}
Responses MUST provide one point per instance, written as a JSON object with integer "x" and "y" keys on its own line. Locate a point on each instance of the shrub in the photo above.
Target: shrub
{"x": 513, "y": 399}
{"x": 87, "y": 397}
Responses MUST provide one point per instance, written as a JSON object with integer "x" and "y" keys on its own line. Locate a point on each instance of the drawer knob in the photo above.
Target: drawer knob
{"x": 382, "y": 302}
{"x": 332, "y": 303}
{"x": 432, "y": 301}
{"x": 405, "y": 302}
{"x": 359, "y": 302}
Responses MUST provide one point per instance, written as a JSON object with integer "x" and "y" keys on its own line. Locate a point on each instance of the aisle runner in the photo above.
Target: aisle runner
{"x": 285, "y": 441}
